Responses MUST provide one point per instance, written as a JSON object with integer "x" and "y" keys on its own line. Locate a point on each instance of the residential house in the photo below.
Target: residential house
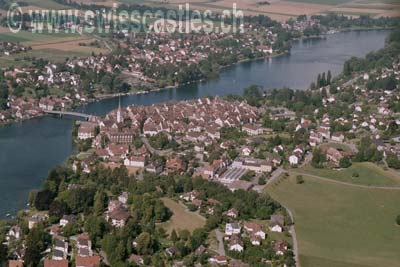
{"x": 15, "y": 263}
{"x": 118, "y": 217}
{"x": 232, "y": 229}
{"x": 337, "y": 137}
{"x": 91, "y": 261}
{"x": 232, "y": 213}
{"x": 276, "y": 223}
{"x": 280, "y": 247}
{"x": 123, "y": 198}
{"x": 14, "y": 233}
{"x": 254, "y": 229}
{"x": 55, "y": 263}
{"x": 252, "y": 129}
{"x": 36, "y": 219}
{"x": 219, "y": 259}
{"x": 236, "y": 244}
{"x": 175, "y": 165}
{"x": 67, "y": 219}
{"x": 84, "y": 245}
{"x": 60, "y": 249}
{"x": 136, "y": 259}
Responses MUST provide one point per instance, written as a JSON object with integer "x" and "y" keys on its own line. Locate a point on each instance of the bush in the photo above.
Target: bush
{"x": 355, "y": 175}
{"x": 345, "y": 162}
{"x": 262, "y": 180}
{"x": 398, "y": 220}
{"x": 299, "y": 179}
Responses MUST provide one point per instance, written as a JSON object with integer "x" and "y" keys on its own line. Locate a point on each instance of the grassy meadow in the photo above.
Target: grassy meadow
{"x": 181, "y": 218}
{"x": 369, "y": 174}
{"x": 342, "y": 226}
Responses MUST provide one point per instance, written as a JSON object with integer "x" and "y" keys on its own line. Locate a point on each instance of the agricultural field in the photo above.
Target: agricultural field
{"x": 285, "y": 9}
{"x": 48, "y": 46}
{"x": 333, "y": 222}
{"x": 181, "y": 218}
{"x": 368, "y": 174}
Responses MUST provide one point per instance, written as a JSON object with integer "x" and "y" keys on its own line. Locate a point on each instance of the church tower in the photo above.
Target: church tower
{"x": 119, "y": 114}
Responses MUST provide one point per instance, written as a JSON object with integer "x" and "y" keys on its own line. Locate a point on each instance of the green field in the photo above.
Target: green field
{"x": 46, "y": 4}
{"x": 369, "y": 174}
{"x": 181, "y": 218}
{"x": 342, "y": 226}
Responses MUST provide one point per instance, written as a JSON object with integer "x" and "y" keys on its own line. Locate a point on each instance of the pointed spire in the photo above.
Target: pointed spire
{"x": 119, "y": 115}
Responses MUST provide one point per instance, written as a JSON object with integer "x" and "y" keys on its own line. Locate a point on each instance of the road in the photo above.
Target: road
{"x": 153, "y": 150}
{"x": 292, "y": 231}
{"x": 220, "y": 235}
{"x": 274, "y": 175}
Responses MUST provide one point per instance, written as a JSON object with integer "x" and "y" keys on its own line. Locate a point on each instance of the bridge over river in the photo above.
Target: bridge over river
{"x": 68, "y": 113}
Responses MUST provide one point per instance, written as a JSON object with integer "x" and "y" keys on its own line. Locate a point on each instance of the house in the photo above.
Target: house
{"x": 86, "y": 130}
{"x": 36, "y": 219}
{"x": 155, "y": 168}
{"x": 67, "y": 219}
{"x": 84, "y": 245}
{"x": 118, "y": 217}
{"x": 276, "y": 223}
{"x": 171, "y": 251}
{"x": 175, "y": 165}
{"x": 135, "y": 161}
{"x": 252, "y": 129}
{"x": 236, "y": 244}
{"x": 15, "y": 263}
{"x": 255, "y": 240}
{"x": 280, "y": 248}
{"x": 232, "y": 229}
{"x": 190, "y": 196}
{"x": 91, "y": 261}
{"x": 337, "y": 137}
{"x": 136, "y": 259}
{"x": 254, "y": 229}
{"x": 55, "y": 263}
{"x": 14, "y": 233}
{"x": 60, "y": 249}
{"x": 315, "y": 139}
{"x": 333, "y": 155}
{"x": 219, "y": 259}
{"x": 123, "y": 198}
{"x": 233, "y": 213}
{"x": 294, "y": 159}
{"x": 246, "y": 151}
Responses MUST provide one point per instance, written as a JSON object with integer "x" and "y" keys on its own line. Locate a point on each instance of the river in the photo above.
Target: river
{"x": 28, "y": 150}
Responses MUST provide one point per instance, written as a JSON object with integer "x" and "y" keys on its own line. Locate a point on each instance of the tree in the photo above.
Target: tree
{"x": 398, "y": 220}
{"x": 35, "y": 245}
{"x": 344, "y": 162}
{"x": 174, "y": 236}
{"x": 99, "y": 202}
{"x": 328, "y": 77}
{"x": 144, "y": 243}
{"x": 43, "y": 199}
{"x": 252, "y": 95}
{"x": 262, "y": 180}
{"x": 318, "y": 158}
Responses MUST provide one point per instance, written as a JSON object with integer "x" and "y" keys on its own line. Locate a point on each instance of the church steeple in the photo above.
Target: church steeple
{"x": 119, "y": 115}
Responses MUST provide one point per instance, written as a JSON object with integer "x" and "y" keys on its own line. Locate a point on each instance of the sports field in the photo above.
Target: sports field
{"x": 342, "y": 226}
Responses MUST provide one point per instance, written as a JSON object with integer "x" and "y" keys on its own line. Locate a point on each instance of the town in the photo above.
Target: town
{"x": 270, "y": 177}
